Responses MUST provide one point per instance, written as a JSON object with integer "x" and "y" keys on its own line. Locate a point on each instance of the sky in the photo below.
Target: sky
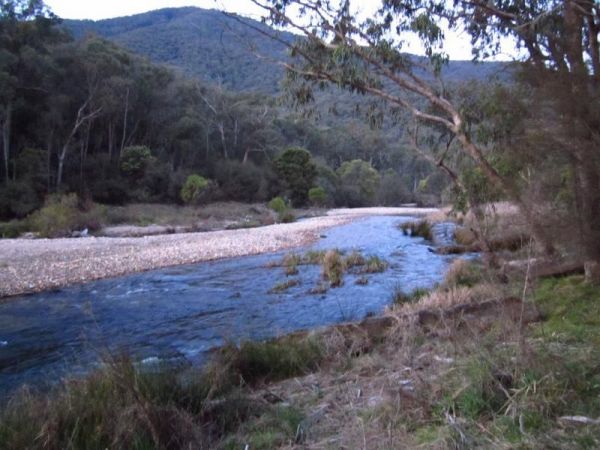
{"x": 456, "y": 45}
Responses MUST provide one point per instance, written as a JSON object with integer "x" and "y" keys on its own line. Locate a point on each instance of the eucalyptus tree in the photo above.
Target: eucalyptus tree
{"x": 26, "y": 33}
{"x": 367, "y": 56}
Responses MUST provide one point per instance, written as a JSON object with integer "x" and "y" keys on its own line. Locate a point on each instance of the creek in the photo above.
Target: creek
{"x": 177, "y": 315}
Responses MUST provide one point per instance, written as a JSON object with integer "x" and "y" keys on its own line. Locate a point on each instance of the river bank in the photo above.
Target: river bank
{"x": 35, "y": 265}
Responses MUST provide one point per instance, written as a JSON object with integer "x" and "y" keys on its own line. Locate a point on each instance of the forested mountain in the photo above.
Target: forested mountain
{"x": 213, "y": 46}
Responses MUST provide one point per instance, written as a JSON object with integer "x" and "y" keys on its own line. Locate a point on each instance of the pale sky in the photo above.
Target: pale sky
{"x": 456, "y": 45}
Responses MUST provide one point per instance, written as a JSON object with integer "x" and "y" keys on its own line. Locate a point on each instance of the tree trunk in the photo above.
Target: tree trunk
{"x": 124, "y": 123}
{"x": 110, "y": 139}
{"x": 494, "y": 177}
{"x": 6, "y": 129}
{"x": 223, "y": 141}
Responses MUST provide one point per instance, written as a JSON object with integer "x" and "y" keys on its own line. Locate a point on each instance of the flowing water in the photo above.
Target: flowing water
{"x": 178, "y": 314}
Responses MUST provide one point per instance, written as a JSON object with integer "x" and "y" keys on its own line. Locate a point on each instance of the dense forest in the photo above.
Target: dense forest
{"x": 89, "y": 117}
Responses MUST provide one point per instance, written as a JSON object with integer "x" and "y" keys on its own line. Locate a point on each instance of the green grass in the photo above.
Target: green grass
{"x": 121, "y": 406}
{"x": 284, "y": 286}
{"x": 518, "y": 393}
{"x": 271, "y": 360}
{"x": 572, "y": 310}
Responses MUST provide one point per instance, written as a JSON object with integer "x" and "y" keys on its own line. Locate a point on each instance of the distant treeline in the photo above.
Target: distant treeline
{"x": 89, "y": 117}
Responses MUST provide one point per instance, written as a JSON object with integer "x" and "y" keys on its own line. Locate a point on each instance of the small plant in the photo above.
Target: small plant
{"x": 313, "y": 257}
{"x": 193, "y": 188}
{"x": 463, "y": 273}
{"x": 284, "y": 286}
{"x": 399, "y": 297}
{"x": 421, "y": 228}
{"x": 290, "y": 262}
{"x": 354, "y": 259}
{"x": 287, "y": 217}
{"x": 278, "y": 205}
{"x": 272, "y": 360}
{"x": 317, "y": 196}
{"x": 333, "y": 268}
{"x": 374, "y": 264}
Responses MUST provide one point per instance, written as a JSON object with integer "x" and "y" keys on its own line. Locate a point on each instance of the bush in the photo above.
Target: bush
{"x": 286, "y": 217}
{"x": 297, "y": 171}
{"x": 359, "y": 183}
{"x": 17, "y": 199}
{"x": 63, "y": 214}
{"x": 58, "y": 216}
{"x": 193, "y": 188}
{"x": 392, "y": 189}
{"x": 278, "y": 205}
{"x": 135, "y": 160}
{"x": 13, "y": 229}
{"x": 317, "y": 196}
{"x": 245, "y": 182}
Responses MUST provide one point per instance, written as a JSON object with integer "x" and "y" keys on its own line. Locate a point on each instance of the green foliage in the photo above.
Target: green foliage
{"x": 245, "y": 182}
{"x": 273, "y": 360}
{"x": 135, "y": 160}
{"x": 317, "y": 196}
{"x": 13, "y": 228}
{"x": 58, "y": 216}
{"x": 17, "y": 199}
{"x": 572, "y": 310}
{"x": 278, "y": 205}
{"x": 297, "y": 170}
{"x": 392, "y": 189}
{"x": 359, "y": 182}
{"x": 286, "y": 217}
{"x": 193, "y": 188}
{"x": 62, "y": 214}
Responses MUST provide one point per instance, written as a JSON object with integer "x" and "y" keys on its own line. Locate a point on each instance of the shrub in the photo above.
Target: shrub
{"x": 245, "y": 182}
{"x": 359, "y": 182}
{"x": 58, "y": 217}
{"x": 17, "y": 199}
{"x": 392, "y": 189}
{"x": 13, "y": 229}
{"x": 297, "y": 171}
{"x": 317, "y": 196}
{"x": 135, "y": 160}
{"x": 193, "y": 188}
{"x": 63, "y": 214}
{"x": 287, "y": 217}
{"x": 278, "y": 205}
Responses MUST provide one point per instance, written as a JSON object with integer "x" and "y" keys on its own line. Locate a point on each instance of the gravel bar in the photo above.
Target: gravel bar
{"x": 34, "y": 265}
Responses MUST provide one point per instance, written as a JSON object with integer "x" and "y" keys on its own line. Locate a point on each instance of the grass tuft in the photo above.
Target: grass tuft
{"x": 333, "y": 268}
{"x": 421, "y": 228}
{"x": 284, "y": 286}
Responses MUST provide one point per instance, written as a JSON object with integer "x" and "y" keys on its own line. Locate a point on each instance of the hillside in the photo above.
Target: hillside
{"x": 213, "y": 46}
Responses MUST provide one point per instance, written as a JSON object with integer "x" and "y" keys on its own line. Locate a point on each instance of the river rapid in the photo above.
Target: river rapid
{"x": 177, "y": 315}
